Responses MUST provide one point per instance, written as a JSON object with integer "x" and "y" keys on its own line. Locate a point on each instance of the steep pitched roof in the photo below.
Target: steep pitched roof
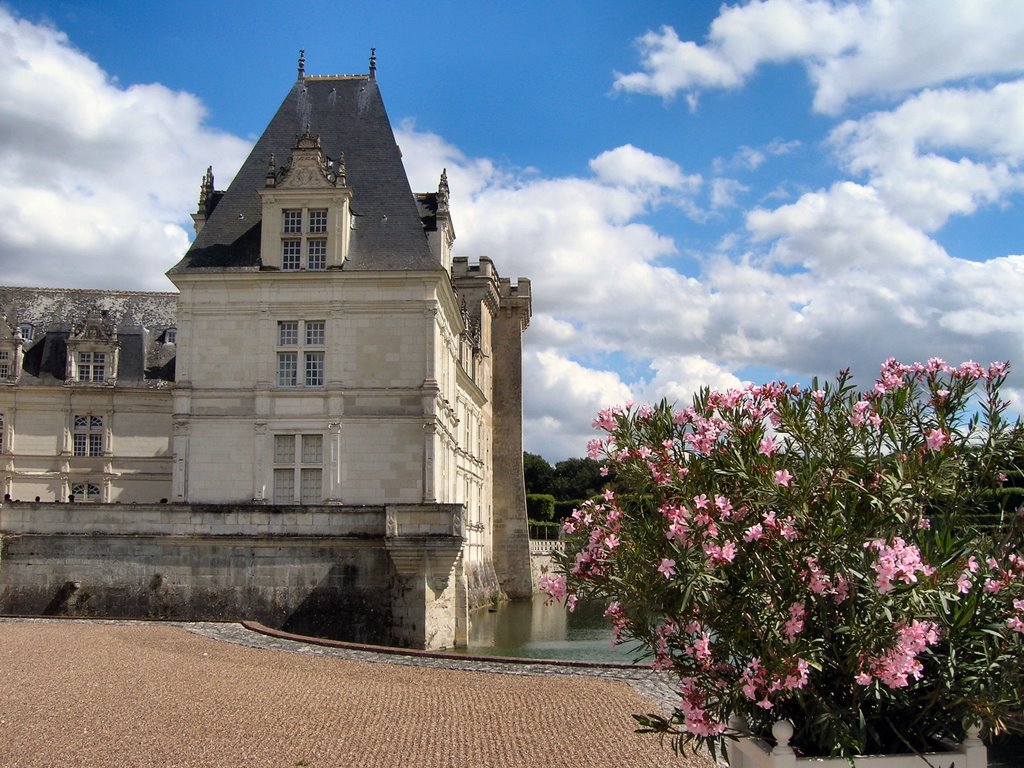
{"x": 348, "y": 115}
{"x": 141, "y": 320}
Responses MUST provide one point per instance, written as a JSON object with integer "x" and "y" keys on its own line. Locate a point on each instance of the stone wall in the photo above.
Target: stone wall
{"x": 388, "y": 575}
{"x": 511, "y": 547}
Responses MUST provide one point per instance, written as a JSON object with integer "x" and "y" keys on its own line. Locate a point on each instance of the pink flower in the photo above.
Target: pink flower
{"x": 901, "y": 562}
{"x": 936, "y": 439}
{"x": 782, "y": 477}
{"x": 553, "y": 586}
{"x": 767, "y": 446}
{"x": 963, "y": 584}
{"x": 667, "y": 567}
{"x": 753, "y": 533}
{"x": 895, "y": 667}
{"x": 795, "y": 625}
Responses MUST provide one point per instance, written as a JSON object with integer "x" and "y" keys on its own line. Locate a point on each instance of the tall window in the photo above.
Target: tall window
{"x": 297, "y": 225}
{"x": 5, "y": 364}
{"x": 88, "y": 435}
{"x": 298, "y": 463}
{"x": 92, "y": 366}
{"x": 307, "y": 348}
{"x": 85, "y": 492}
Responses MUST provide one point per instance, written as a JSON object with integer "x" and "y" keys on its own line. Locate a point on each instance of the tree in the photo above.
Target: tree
{"x": 538, "y": 473}
{"x": 577, "y": 479}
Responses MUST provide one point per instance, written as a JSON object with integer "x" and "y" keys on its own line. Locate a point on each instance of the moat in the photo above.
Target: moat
{"x": 535, "y": 630}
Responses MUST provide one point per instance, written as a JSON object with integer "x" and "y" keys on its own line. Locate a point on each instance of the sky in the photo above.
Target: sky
{"x": 700, "y": 194}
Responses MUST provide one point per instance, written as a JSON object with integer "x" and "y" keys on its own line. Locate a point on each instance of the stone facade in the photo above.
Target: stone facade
{"x": 325, "y": 352}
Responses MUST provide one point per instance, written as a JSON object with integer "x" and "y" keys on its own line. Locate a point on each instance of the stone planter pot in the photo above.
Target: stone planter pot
{"x": 755, "y": 753}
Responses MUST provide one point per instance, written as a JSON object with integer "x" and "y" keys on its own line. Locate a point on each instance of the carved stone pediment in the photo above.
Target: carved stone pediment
{"x": 308, "y": 167}
{"x": 96, "y": 326}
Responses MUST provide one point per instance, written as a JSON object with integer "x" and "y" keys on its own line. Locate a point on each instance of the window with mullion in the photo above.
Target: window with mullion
{"x": 87, "y": 435}
{"x": 308, "y": 351}
{"x": 92, "y": 366}
{"x": 86, "y": 492}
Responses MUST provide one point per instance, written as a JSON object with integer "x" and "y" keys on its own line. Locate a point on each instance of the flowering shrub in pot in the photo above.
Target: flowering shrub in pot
{"x": 849, "y": 561}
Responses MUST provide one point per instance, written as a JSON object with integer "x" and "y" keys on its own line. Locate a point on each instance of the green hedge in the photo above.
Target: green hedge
{"x": 564, "y": 508}
{"x": 540, "y": 506}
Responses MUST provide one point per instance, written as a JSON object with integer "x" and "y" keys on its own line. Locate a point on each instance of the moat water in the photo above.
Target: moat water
{"x": 535, "y": 630}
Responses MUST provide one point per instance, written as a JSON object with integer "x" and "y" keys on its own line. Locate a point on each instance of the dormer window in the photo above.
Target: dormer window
{"x": 306, "y": 212}
{"x": 309, "y": 249}
{"x": 93, "y": 350}
{"x": 170, "y": 336}
{"x": 11, "y": 350}
{"x": 27, "y": 331}
{"x": 92, "y": 366}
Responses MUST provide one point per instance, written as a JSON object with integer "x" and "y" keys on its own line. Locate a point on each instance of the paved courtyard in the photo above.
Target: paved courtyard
{"x": 137, "y": 694}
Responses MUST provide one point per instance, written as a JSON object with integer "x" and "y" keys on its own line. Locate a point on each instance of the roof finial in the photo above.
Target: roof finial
{"x": 443, "y": 192}
{"x": 302, "y": 63}
{"x": 373, "y": 63}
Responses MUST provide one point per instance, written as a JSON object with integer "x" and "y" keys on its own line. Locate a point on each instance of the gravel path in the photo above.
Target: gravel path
{"x": 136, "y": 694}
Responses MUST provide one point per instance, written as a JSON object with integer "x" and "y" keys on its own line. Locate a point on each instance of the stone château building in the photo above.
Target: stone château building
{"x": 329, "y": 390}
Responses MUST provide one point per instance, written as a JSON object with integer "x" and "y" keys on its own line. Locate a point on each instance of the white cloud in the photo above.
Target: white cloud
{"x": 724, "y": 192}
{"x": 562, "y": 400}
{"x": 92, "y": 173}
{"x": 634, "y": 167}
{"x": 940, "y": 153}
{"x": 850, "y": 49}
{"x": 679, "y": 378}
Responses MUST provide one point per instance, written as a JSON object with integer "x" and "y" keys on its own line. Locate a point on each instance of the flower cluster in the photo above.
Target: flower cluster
{"x": 848, "y": 560}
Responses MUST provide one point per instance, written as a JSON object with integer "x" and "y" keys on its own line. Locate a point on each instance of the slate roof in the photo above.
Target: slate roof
{"x": 348, "y": 115}
{"x": 141, "y": 320}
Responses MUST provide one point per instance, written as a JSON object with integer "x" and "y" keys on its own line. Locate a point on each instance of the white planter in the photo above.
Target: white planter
{"x": 755, "y": 753}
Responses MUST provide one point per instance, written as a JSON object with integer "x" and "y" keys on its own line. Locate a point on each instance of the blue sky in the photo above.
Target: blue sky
{"x": 700, "y": 194}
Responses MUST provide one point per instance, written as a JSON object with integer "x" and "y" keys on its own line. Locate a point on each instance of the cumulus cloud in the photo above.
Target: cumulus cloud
{"x": 850, "y": 49}
{"x": 634, "y": 167}
{"x": 92, "y": 173}
{"x": 940, "y": 153}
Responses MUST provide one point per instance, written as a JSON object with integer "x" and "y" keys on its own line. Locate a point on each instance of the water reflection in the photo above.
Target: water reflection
{"x": 531, "y": 629}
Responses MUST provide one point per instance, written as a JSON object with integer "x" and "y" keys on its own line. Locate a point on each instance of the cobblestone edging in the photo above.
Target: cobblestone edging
{"x": 654, "y": 686}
